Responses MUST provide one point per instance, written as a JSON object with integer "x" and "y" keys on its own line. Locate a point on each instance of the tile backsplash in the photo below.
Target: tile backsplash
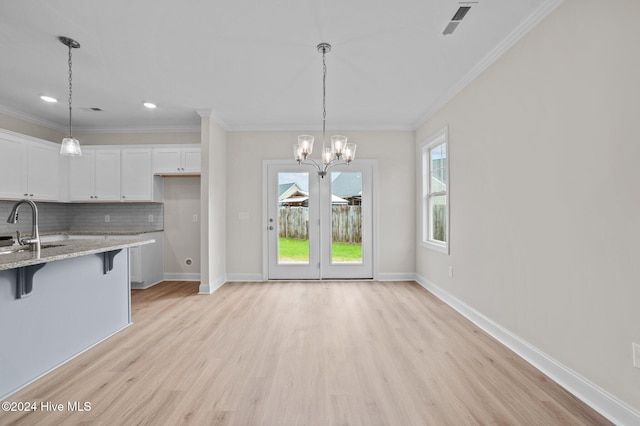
{"x": 84, "y": 217}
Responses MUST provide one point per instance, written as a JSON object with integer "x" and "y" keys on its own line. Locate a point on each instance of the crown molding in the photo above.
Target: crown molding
{"x": 527, "y": 25}
{"x": 31, "y": 118}
{"x": 141, "y": 129}
{"x": 211, "y": 114}
{"x": 239, "y": 127}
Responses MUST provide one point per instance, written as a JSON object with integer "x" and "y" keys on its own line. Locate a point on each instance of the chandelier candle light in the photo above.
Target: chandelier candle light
{"x": 340, "y": 152}
{"x": 70, "y": 145}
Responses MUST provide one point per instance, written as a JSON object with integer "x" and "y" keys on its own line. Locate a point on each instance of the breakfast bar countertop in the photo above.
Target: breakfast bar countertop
{"x": 105, "y": 232}
{"x": 66, "y": 249}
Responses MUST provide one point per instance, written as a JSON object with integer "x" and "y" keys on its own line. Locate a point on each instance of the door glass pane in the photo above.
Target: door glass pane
{"x": 346, "y": 217}
{"x": 293, "y": 218}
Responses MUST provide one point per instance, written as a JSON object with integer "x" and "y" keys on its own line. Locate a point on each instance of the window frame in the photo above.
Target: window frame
{"x": 441, "y": 137}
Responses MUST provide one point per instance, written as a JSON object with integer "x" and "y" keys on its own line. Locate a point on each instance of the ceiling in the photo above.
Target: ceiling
{"x": 253, "y": 62}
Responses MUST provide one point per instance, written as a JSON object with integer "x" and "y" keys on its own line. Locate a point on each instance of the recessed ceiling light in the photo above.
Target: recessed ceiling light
{"x": 149, "y": 105}
{"x": 48, "y": 99}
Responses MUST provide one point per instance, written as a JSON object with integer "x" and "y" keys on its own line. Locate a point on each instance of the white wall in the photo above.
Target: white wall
{"x": 181, "y": 233}
{"x": 213, "y": 207}
{"x": 396, "y": 217}
{"x": 545, "y": 198}
{"x": 28, "y": 128}
{"x": 138, "y": 138}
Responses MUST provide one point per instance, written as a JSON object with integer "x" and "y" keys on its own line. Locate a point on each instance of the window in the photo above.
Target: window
{"x": 435, "y": 191}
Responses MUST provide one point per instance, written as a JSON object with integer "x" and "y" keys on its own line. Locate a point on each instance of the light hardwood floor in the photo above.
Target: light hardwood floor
{"x": 300, "y": 353}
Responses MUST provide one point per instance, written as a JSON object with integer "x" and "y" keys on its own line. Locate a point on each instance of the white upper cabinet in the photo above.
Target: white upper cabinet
{"x": 137, "y": 176}
{"x": 13, "y": 168}
{"x": 32, "y": 168}
{"x": 29, "y": 168}
{"x": 191, "y": 160}
{"x": 44, "y": 172}
{"x": 95, "y": 176}
{"x": 176, "y": 160}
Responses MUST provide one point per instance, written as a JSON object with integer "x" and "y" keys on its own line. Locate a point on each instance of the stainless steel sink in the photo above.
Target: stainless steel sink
{"x": 13, "y": 249}
{"x": 46, "y": 246}
{"x": 22, "y": 248}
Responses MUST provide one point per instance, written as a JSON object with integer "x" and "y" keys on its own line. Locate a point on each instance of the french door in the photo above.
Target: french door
{"x": 319, "y": 228}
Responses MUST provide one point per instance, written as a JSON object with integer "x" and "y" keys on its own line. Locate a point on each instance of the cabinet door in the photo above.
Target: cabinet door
{"x": 13, "y": 168}
{"x": 82, "y": 176}
{"x": 44, "y": 172}
{"x": 167, "y": 160}
{"x": 137, "y": 177}
{"x": 191, "y": 160}
{"x": 107, "y": 175}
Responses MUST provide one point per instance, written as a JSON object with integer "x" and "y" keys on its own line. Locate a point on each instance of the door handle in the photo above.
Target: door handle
{"x": 271, "y": 228}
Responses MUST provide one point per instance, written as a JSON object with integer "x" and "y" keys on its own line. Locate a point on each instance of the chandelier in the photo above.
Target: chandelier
{"x": 340, "y": 152}
{"x": 70, "y": 145}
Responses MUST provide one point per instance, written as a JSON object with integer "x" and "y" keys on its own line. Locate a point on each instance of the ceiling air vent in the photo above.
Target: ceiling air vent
{"x": 455, "y": 21}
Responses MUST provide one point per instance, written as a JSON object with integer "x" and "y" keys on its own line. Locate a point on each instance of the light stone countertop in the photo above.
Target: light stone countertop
{"x": 103, "y": 232}
{"x": 66, "y": 249}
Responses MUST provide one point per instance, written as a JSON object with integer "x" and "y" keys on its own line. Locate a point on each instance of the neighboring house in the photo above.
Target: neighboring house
{"x": 348, "y": 186}
{"x": 290, "y": 194}
{"x": 438, "y": 180}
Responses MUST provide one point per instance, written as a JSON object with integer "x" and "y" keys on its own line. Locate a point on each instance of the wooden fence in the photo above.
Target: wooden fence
{"x": 346, "y": 221}
{"x": 293, "y": 222}
{"x": 439, "y": 223}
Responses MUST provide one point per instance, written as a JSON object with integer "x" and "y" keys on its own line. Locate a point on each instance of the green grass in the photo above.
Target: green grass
{"x": 294, "y": 250}
{"x": 298, "y": 251}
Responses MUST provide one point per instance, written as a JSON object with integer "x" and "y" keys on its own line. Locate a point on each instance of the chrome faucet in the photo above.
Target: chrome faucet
{"x": 34, "y": 241}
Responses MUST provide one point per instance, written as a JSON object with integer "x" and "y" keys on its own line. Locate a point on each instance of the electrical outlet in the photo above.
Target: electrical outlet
{"x": 150, "y": 218}
{"x": 107, "y": 218}
{"x": 195, "y": 218}
{"x": 450, "y": 271}
{"x": 636, "y": 355}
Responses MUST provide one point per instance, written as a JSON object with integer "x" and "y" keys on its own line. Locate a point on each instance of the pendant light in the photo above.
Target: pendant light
{"x": 340, "y": 152}
{"x": 70, "y": 145}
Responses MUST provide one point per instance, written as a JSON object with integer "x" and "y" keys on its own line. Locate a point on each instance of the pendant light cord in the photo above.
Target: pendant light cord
{"x": 324, "y": 95}
{"x": 70, "y": 92}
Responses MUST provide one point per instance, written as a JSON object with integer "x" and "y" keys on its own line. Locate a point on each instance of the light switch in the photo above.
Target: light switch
{"x": 195, "y": 218}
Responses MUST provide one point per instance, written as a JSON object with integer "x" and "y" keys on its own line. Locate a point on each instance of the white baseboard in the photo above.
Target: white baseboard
{"x": 600, "y": 400}
{"x": 244, "y": 277}
{"x": 177, "y": 276}
{"x": 396, "y": 276}
{"x": 143, "y": 285}
{"x": 208, "y": 288}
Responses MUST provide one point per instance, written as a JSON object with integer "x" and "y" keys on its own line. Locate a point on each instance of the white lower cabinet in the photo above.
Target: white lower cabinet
{"x": 146, "y": 262}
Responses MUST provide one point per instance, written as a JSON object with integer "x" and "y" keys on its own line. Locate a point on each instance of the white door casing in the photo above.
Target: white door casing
{"x": 320, "y": 264}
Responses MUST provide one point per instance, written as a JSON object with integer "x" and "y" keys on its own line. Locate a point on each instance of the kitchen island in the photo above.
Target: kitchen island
{"x": 58, "y": 303}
